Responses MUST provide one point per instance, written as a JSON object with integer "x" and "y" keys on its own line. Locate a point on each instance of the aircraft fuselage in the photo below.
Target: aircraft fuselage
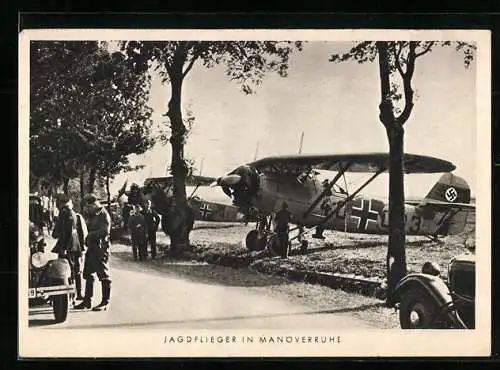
{"x": 360, "y": 215}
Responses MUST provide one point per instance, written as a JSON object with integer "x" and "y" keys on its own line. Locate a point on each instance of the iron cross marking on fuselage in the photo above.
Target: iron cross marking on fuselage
{"x": 205, "y": 211}
{"x": 364, "y": 213}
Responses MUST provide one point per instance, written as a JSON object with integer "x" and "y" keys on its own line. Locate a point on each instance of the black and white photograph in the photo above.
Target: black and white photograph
{"x": 284, "y": 193}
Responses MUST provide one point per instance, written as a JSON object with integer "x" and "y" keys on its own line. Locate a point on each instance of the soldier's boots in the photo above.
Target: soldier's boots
{"x": 106, "y": 294}
{"x": 89, "y": 292}
{"x": 78, "y": 286}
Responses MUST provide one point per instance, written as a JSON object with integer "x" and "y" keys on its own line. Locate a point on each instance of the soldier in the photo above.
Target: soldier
{"x": 152, "y": 222}
{"x": 70, "y": 231}
{"x": 127, "y": 208}
{"x": 98, "y": 251}
{"x": 138, "y": 233}
{"x": 36, "y": 211}
{"x": 282, "y": 220}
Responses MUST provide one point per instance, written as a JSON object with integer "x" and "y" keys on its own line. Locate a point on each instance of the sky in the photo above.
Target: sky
{"x": 334, "y": 105}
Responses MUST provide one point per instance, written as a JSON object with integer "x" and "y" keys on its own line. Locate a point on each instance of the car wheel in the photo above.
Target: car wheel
{"x": 417, "y": 310}
{"x": 60, "y": 305}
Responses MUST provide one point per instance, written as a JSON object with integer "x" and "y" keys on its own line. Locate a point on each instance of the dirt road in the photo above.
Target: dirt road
{"x": 173, "y": 294}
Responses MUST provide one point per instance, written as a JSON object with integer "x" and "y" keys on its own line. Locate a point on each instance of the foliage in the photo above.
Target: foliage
{"x": 401, "y": 63}
{"x": 88, "y": 110}
{"x": 397, "y": 60}
{"x": 246, "y": 63}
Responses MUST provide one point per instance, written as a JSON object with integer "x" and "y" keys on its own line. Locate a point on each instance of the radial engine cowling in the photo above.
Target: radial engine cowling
{"x": 242, "y": 185}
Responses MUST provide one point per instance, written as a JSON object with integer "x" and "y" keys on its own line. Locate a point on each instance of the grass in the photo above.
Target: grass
{"x": 344, "y": 253}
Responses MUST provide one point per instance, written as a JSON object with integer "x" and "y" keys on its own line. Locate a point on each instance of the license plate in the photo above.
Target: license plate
{"x": 31, "y": 293}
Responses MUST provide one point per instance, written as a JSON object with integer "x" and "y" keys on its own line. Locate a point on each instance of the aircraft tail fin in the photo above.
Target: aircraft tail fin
{"x": 449, "y": 189}
{"x": 451, "y": 195}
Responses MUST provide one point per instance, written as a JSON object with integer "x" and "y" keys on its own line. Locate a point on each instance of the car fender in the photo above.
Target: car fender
{"x": 57, "y": 272}
{"x": 434, "y": 285}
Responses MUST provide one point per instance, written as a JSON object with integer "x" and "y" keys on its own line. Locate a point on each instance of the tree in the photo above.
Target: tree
{"x": 246, "y": 63}
{"x": 121, "y": 123}
{"x": 397, "y": 61}
{"x": 88, "y": 111}
{"x": 56, "y": 68}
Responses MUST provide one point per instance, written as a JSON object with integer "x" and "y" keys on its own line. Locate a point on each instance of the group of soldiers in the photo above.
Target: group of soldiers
{"x": 143, "y": 226}
{"x": 84, "y": 240}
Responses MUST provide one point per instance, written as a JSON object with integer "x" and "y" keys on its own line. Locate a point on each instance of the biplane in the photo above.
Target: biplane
{"x": 207, "y": 204}
{"x": 259, "y": 188}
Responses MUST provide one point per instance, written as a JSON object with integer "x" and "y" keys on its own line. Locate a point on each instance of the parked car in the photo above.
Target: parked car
{"x": 427, "y": 301}
{"x": 50, "y": 280}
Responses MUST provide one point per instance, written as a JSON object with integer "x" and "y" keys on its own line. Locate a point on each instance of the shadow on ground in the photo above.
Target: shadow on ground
{"x": 355, "y": 309}
{"x": 196, "y": 271}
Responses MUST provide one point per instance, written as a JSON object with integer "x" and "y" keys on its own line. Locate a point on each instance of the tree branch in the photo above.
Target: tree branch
{"x": 386, "y": 107}
{"x": 410, "y": 69}
{"x": 397, "y": 54}
{"x": 426, "y": 50}
{"x": 191, "y": 63}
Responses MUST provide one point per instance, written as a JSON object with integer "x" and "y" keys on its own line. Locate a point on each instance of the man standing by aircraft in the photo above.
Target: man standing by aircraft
{"x": 282, "y": 221}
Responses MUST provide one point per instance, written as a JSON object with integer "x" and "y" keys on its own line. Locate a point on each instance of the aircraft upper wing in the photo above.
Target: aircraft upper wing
{"x": 361, "y": 162}
{"x": 166, "y": 181}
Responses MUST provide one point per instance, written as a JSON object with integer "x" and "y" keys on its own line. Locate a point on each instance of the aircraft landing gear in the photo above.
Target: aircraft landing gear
{"x": 273, "y": 245}
{"x": 256, "y": 240}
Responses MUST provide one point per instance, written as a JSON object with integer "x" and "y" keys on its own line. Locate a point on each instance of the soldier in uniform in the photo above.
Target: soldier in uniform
{"x": 138, "y": 233}
{"x": 98, "y": 252}
{"x": 282, "y": 220}
{"x": 70, "y": 231}
{"x": 152, "y": 222}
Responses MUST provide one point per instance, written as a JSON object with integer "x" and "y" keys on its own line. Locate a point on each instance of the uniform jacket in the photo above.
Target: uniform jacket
{"x": 99, "y": 228}
{"x": 65, "y": 231}
{"x": 152, "y": 220}
{"x": 137, "y": 225}
{"x": 282, "y": 220}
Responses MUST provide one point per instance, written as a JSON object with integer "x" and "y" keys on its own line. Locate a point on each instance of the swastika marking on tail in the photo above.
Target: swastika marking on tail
{"x": 450, "y": 194}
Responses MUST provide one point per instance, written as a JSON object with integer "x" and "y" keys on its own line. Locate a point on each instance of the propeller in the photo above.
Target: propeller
{"x": 229, "y": 180}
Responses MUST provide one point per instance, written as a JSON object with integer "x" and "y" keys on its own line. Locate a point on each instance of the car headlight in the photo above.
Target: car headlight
{"x": 38, "y": 260}
{"x": 431, "y": 268}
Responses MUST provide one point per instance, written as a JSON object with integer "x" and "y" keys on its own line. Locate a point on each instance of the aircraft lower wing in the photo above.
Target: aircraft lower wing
{"x": 441, "y": 206}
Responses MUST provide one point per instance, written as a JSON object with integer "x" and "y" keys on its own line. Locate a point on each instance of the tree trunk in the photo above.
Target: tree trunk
{"x": 396, "y": 259}
{"x": 92, "y": 178}
{"x": 178, "y": 213}
{"x": 396, "y": 256}
{"x": 82, "y": 189}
